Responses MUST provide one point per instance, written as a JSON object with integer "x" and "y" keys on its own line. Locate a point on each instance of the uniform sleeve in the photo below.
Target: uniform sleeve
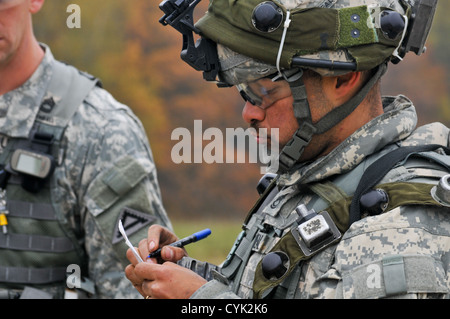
{"x": 120, "y": 183}
{"x": 214, "y": 290}
{"x": 399, "y": 254}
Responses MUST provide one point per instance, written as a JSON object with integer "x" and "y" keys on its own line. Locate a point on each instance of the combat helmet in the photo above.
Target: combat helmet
{"x": 244, "y": 40}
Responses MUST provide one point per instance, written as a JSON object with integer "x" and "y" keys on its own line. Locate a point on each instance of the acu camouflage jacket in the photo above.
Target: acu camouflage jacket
{"x": 410, "y": 243}
{"x": 104, "y": 164}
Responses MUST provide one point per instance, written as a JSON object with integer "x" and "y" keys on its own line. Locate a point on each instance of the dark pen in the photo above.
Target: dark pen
{"x": 183, "y": 242}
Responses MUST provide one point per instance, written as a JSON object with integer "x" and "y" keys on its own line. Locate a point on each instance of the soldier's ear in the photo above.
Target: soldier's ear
{"x": 35, "y": 6}
{"x": 343, "y": 87}
{"x": 348, "y": 82}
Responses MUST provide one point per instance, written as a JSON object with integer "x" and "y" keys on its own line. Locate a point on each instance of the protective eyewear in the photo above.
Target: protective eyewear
{"x": 265, "y": 92}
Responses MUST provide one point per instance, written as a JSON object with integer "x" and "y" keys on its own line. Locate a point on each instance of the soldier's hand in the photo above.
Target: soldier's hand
{"x": 158, "y": 236}
{"x": 166, "y": 281}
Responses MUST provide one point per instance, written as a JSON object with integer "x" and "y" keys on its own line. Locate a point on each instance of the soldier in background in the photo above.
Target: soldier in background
{"x": 359, "y": 205}
{"x": 74, "y": 162}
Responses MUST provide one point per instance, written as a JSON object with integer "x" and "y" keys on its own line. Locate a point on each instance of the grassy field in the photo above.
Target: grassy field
{"x": 213, "y": 248}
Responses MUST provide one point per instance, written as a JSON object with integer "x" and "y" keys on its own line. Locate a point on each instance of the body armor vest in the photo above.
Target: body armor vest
{"x": 268, "y": 230}
{"x": 38, "y": 243}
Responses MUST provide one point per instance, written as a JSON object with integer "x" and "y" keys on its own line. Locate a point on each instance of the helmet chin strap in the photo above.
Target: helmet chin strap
{"x": 293, "y": 150}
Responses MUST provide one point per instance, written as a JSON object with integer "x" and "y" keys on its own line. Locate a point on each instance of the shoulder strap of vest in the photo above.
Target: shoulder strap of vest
{"x": 377, "y": 170}
{"x": 66, "y": 91}
{"x": 71, "y": 86}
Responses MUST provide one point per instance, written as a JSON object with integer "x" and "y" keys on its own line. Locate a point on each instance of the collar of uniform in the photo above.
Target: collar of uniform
{"x": 18, "y": 108}
{"x": 397, "y": 123}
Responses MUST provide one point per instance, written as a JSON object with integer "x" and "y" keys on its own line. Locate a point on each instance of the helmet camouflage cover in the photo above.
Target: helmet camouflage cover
{"x": 336, "y": 30}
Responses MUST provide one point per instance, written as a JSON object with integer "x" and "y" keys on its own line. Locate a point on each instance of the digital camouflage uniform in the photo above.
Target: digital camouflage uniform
{"x": 105, "y": 171}
{"x": 402, "y": 250}
{"x": 417, "y": 234}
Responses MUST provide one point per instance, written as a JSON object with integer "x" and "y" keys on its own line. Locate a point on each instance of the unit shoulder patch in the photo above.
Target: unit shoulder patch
{"x": 132, "y": 221}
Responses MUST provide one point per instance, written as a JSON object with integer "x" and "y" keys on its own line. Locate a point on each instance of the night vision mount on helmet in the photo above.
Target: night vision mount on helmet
{"x": 201, "y": 54}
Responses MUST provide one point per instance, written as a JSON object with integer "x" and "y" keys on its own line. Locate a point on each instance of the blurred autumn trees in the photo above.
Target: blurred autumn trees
{"x": 137, "y": 59}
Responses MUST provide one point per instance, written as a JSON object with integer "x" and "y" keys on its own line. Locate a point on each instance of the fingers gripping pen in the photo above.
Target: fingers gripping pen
{"x": 183, "y": 242}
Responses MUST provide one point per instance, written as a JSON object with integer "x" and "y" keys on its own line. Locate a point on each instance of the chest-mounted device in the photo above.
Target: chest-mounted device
{"x": 314, "y": 231}
{"x": 34, "y": 162}
{"x": 31, "y": 163}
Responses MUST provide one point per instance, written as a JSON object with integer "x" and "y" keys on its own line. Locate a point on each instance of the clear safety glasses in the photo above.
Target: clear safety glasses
{"x": 264, "y": 92}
